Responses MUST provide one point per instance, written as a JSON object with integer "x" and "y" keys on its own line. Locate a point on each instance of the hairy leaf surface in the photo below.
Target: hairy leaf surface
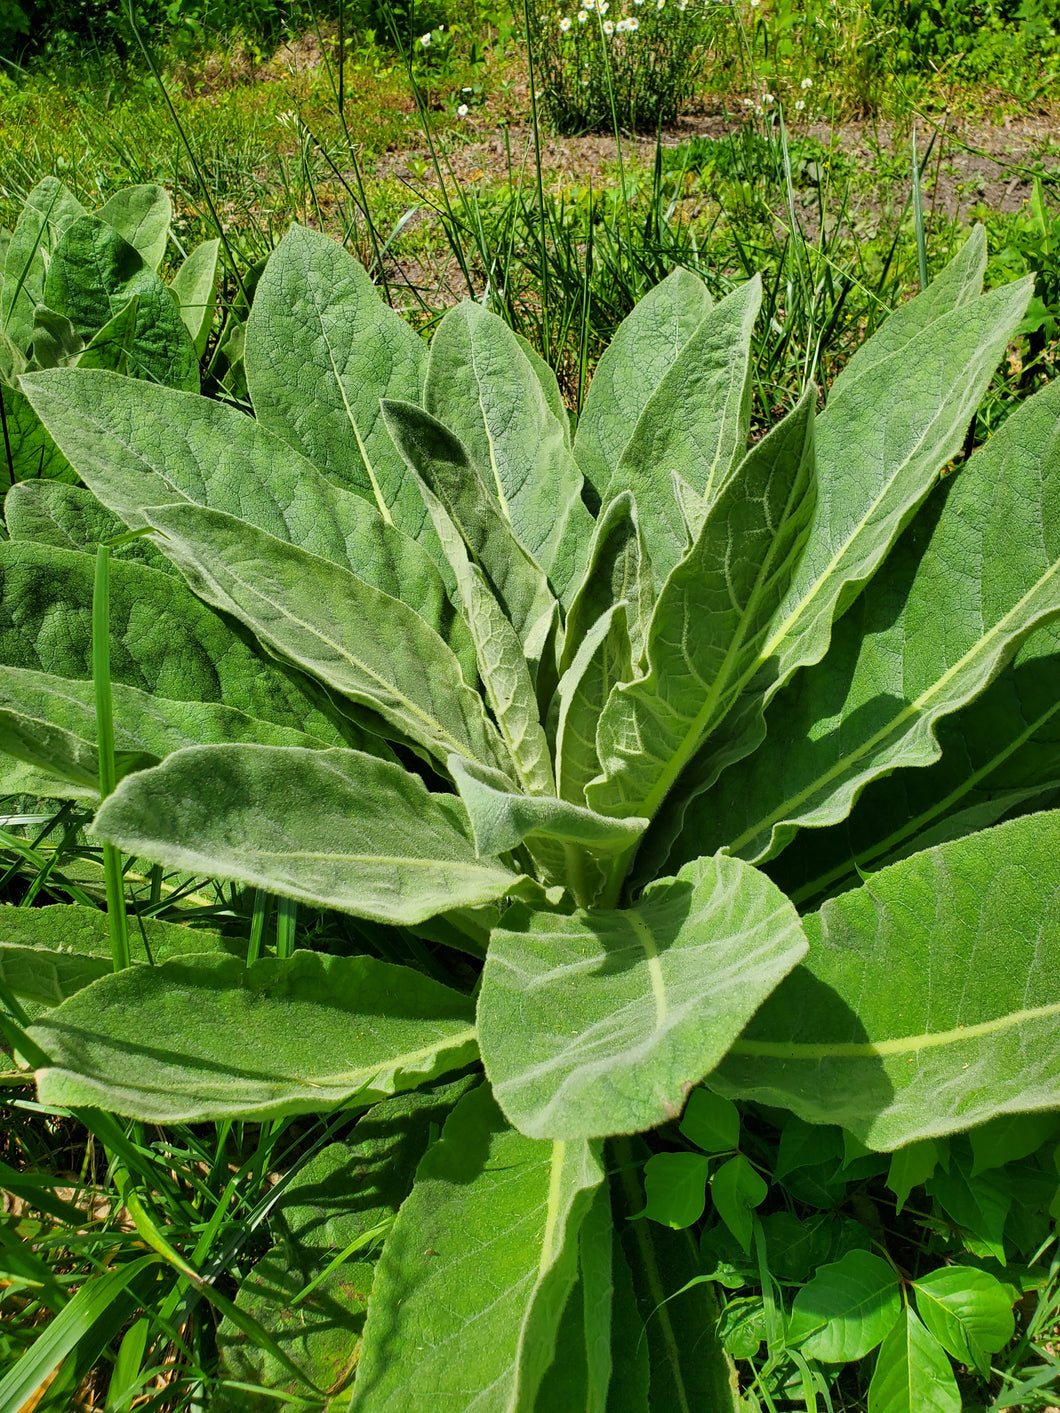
{"x": 644, "y": 348}
{"x": 94, "y": 272}
{"x": 50, "y": 208}
{"x": 333, "y": 625}
{"x": 483, "y": 387}
{"x": 136, "y": 445}
{"x": 711, "y": 622}
{"x": 976, "y": 573}
{"x": 208, "y": 1037}
{"x": 601, "y": 1022}
{"x": 338, "y": 829}
{"x": 927, "y": 1003}
{"x": 322, "y": 349}
{"x": 477, "y": 1269}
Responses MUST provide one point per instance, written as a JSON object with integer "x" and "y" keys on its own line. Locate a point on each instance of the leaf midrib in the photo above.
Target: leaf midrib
{"x": 903, "y": 1045}
{"x": 909, "y": 710}
{"x": 822, "y": 580}
{"x": 436, "y": 729}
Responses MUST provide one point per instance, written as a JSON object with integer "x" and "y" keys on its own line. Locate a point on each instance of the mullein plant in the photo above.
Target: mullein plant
{"x": 736, "y": 783}
{"x": 81, "y": 289}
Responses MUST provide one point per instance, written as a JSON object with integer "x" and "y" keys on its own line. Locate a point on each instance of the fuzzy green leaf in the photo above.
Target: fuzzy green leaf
{"x": 137, "y": 445}
{"x": 210, "y": 1038}
{"x": 482, "y": 386}
{"x": 93, "y": 274}
{"x": 919, "y": 644}
{"x": 440, "y": 460}
{"x": 600, "y": 1022}
{"x": 50, "y": 208}
{"x": 28, "y": 452}
{"x": 927, "y": 1003}
{"x": 602, "y": 662}
{"x": 644, "y": 348}
{"x": 881, "y": 442}
{"x": 142, "y": 214}
{"x": 693, "y": 425}
{"x": 194, "y": 287}
{"x": 487, "y": 1241}
{"x": 619, "y": 571}
{"x": 337, "y": 829}
{"x": 711, "y": 621}
{"x": 322, "y": 348}
{"x": 372, "y": 648}
{"x": 163, "y": 640}
{"x": 501, "y": 818}
{"x": 50, "y": 722}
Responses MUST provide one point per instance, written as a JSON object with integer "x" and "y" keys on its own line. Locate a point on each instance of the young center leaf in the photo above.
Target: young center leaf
{"x": 710, "y": 623}
{"x": 487, "y": 1241}
{"x": 207, "y": 1037}
{"x": 483, "y": 387}
{"x": 600, "y": 1022}
{"x": 335, "y": 828}
{"x": 927, "y": 1001}
{"x": 645, "y": 346}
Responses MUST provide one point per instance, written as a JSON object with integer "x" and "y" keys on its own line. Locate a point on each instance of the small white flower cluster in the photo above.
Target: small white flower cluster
{"x": 627, "y": 26}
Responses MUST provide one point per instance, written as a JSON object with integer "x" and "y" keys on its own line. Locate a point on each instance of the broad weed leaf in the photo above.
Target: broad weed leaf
{"x": 50, "y": 208}
{"x": 194, "y": 287}
{"x": 93, "y": 273}
{"x": 336, "y": 829}
{"x": 29, "y": 453}
{"x": 442, "y": 464}
{"x": 912, "y": 1372}
{"x": 915, "y": 647}
{"x": 736, "y": 1189}
{"x": 482, "y": 386}
{"x": 49, "y": 954}
{"x": 50, "y": 722}
{"x": 958, "y": 284}
{"x": 487, "y": 1239}
{"x": 356, "y": 640}
{"x": 711, "y": 622}
{"x": 164, "y": 640}
{"x": 321, "y": 350}
{"x": 208, "y": 1037}
{"x": 601, "y": 1021}
{"x": 632, "y": 366}
{"x": 847, "y": 1309}
{"x": 142, "y": 215}
{"x": 694, "y": 425}
{"x": 71, "y": 518}
{"x": 968, "y": 1311}
{"x": 136, "y": 445}
{"x": 675, "y": 1187}
{"x": 618, "y": 571}
{"x": 927, "y": 1002}
{"x": 880, "y": 443}
{"x": 603, "y": 661}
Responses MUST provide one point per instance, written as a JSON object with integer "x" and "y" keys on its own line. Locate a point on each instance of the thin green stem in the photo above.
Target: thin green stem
{"x": 117, "y": 923}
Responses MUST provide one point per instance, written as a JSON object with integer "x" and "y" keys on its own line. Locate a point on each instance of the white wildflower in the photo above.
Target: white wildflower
{"x": 806, "y": 83}
{"x": 608, "y": 27}
{"x": 799, "y": 106}
{"x": 461, "y": 112}
{"x": 564, "y": 23}
{"x": 583, "y": 15}
{"x": 632, "y": 23}
{"x": 425, "y": 39}
{"x": 767, "y": 98}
